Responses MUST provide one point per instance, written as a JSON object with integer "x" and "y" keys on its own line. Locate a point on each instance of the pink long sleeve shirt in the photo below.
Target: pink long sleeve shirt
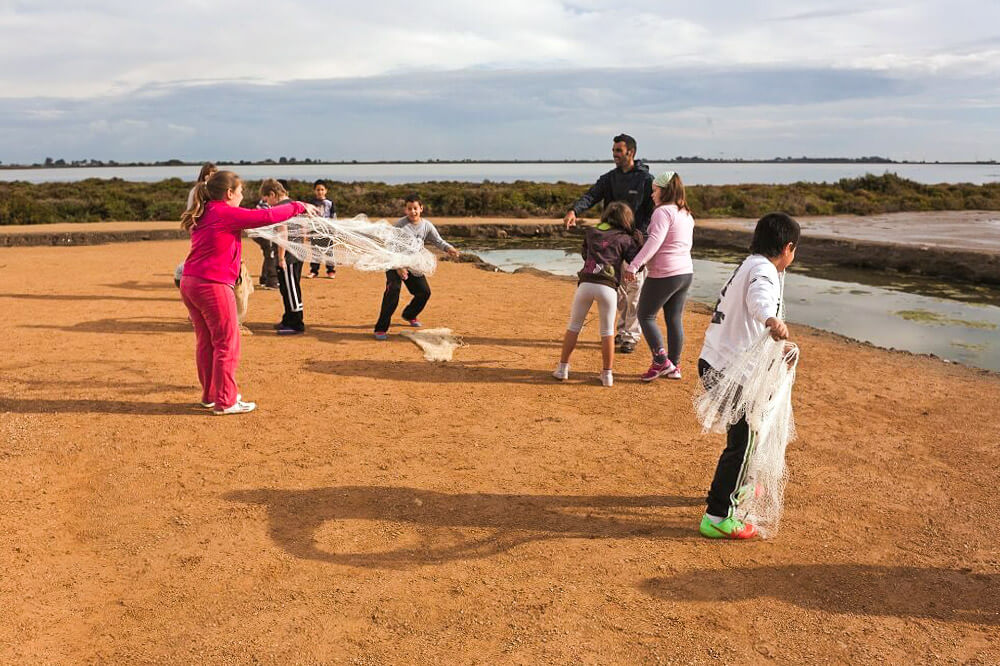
{"x": 216, "y": 247}
{"x": 667, "y": 250}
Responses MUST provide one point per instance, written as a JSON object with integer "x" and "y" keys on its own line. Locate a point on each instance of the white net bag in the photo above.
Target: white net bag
{"x": 758, "y": 386}
{"x": 367, "y": 245}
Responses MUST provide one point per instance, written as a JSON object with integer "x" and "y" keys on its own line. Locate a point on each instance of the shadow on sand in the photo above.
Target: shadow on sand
{"x": 31, "y": 406}
{"x": 898, "y": 591}
{"x": 392, "y": 527}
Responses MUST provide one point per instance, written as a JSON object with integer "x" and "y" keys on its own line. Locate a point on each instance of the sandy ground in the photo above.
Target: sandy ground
{"x": 378, "y": 509}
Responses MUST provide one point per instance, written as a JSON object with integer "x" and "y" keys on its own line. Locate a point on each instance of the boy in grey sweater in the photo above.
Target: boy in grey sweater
{"x": 415, "y": 283}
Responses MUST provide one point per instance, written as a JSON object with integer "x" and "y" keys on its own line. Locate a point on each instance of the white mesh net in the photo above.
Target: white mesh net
{"x": 438, "y": 344}
{"x": 757, "y": 385}
{"x": 367, "y": 245}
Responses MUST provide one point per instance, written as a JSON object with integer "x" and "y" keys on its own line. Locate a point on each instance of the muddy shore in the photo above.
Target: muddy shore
{"x": 961, "y": 246}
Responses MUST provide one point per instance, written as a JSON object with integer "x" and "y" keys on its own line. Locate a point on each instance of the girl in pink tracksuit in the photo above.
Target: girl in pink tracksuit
{"x": 216, "y": 223}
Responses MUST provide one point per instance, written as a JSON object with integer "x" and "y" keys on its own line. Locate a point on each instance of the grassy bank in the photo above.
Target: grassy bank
{"x": 95, "y": 200}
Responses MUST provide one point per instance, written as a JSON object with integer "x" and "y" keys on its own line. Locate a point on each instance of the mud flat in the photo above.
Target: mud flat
{"x": 381, "y": 509}
{"x": 962, "y": 246}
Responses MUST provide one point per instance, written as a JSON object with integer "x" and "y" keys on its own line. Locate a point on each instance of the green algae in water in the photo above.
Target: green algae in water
{"x": 928, "y": 317}
{"x": 971, "y": 346}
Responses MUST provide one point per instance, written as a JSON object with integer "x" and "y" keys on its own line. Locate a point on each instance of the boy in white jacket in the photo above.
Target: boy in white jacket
{"x": 749, "y": 302}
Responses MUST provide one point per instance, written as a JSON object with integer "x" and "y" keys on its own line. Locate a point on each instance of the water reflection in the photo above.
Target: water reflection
{"x": 959, "y": 331}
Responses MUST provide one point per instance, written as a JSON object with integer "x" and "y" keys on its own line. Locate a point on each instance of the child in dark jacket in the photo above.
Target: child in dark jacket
{"x": 327, "y": 210}
{"x": 606, "y": 247}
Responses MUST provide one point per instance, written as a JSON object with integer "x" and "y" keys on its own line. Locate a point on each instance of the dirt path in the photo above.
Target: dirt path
{"x": 378, "y": 509}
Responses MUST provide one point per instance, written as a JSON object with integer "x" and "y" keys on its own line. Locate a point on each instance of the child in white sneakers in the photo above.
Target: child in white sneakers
{"x": 749, "y": 302}
{"x": 606, "y": 248}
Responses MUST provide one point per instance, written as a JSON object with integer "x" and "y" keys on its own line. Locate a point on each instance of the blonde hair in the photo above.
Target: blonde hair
{"x": 673, "y": 193}
{"x": 214, "y": 189}
{"x": 272, "y": 186}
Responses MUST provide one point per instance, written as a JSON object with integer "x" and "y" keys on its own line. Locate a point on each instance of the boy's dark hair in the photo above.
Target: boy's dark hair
{"x": 629, "y": 141}
{"x": 284, "y": 184}
{"x": 773, "y": 232}
{"x": 320, "y": 182}
{"x": 411, "y": 197}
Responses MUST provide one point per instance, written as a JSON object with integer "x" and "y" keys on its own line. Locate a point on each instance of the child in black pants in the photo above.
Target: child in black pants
{"x": 273, "y": 193}
{"x": 749, "y": 302}
{"x": 415, "y": 283}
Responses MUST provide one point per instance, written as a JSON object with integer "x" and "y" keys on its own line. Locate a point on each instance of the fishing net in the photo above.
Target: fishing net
{"x": 367, "y": 245}
{"x": 242, "y": 289}
{"x": 438, "y": 344}
{"x": 758, "y": 386}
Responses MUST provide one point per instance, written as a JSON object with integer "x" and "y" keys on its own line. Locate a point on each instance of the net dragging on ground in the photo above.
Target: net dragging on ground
{"x": 438, "y": 344}
{"x": 758, "y": 386}
{"x": 367, "y": 245}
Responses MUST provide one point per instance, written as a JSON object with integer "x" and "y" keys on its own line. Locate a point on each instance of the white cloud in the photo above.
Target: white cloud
{"x": 521, "y": 78}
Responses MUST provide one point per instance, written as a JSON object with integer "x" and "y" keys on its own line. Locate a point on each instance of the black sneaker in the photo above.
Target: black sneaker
{"x": 288, "y": 330}
{"x": 627, "y": 347}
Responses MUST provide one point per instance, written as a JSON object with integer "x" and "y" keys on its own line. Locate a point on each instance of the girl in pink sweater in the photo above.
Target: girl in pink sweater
{"x": 216, "y": 223}
{"x": 667, "y": 255}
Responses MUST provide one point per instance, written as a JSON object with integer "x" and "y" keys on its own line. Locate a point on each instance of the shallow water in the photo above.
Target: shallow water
{"x": 963, "y": 332}
{"x": 694, "y": 173}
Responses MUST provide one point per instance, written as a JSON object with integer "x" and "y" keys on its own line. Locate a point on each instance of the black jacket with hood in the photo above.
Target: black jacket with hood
{"x": 634, "y": 188}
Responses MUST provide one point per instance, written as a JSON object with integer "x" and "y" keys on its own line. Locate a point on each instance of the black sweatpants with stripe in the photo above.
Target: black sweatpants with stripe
{"x": 415, "y": 284}
{"x": 290, "y": 284}
{"x": 730, "y": 472}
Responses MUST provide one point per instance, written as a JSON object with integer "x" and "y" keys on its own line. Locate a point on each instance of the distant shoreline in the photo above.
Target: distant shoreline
{"x": 96, "y": 164}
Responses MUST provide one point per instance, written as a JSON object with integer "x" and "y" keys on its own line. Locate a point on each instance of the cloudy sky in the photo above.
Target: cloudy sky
{"x": 414, "y": 79}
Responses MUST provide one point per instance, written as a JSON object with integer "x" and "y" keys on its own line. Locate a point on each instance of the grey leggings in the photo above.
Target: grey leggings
{"x": 668, "y": 293}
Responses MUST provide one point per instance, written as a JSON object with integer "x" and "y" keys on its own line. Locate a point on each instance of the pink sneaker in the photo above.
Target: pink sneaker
{"x": 658, "y": 370}
{"x": 675, "y": 373}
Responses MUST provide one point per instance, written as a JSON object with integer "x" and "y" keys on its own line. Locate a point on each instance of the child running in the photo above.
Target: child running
{"x": 328, "y": 210}
{"x": 667, "y": 255}
{"x": 749, "y": 302}
{"x": 416, "y": 283}
{"x": 216, "y": 223}
{"x": 606, "y": 248}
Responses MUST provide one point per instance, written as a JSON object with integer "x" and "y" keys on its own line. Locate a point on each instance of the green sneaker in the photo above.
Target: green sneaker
{"x": 730, "y": 528}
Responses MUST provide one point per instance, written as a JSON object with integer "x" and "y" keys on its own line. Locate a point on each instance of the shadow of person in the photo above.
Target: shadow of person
{"x": 136, "y": 285}
{"x": 393, "y": 527}
{"x": 339, "y": 333}
{"x": 464, "y": 372}
{"x": 66, "y": 406}
{"x": 143, "y": 325}
{"x": 861, "y": 589}
{"x": 88, "y": 297}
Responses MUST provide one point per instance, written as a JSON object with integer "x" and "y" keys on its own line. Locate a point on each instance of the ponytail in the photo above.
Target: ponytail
{"x": 189, "y": 218}
{"x": 216, "y": 188}
{"x": 673, "y": 193}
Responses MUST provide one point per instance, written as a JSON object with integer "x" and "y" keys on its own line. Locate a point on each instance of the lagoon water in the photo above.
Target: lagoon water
{"x": 695, "y": 173}
{"x": 953, "y": 330}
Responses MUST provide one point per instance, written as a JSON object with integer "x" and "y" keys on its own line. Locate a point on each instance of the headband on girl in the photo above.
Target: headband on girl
{"x": 664, "y": 178}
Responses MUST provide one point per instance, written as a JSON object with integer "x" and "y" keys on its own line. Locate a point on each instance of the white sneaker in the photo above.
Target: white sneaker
{"x": 607, "y": 378}
{"x": 561, "y": 372}
{"x": 211, "y": 405}
{"x": 238, "y": 407}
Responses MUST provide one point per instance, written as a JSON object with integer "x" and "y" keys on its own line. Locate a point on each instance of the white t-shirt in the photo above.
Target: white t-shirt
{"x": 751, "y": 296}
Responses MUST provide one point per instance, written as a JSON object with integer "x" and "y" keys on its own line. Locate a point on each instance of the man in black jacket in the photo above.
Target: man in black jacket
{"x": 631, "y": 183}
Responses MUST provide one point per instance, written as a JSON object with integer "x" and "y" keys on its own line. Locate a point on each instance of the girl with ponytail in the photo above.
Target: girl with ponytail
{"x": 216, "y": 222}
{"x": 667, "y": 255}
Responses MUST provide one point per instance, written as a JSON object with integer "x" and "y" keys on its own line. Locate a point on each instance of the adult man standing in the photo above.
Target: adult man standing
{"x": 631, "y": 183}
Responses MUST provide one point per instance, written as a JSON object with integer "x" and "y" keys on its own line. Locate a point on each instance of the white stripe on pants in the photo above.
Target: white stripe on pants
{"x": 586, "y": 294}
